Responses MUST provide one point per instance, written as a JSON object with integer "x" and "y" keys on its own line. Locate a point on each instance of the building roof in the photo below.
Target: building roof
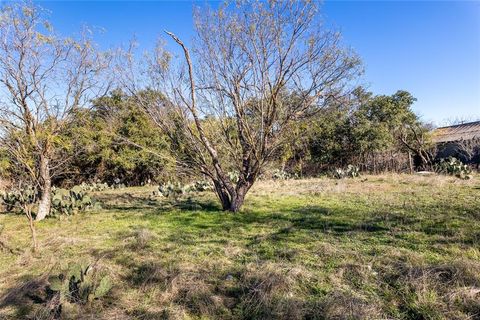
{"x": 464, "y": 131}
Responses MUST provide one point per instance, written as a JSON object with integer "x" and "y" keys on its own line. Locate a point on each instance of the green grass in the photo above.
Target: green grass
{"x": 380, "y": 247}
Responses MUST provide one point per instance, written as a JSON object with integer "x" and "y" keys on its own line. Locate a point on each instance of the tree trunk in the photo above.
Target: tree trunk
{"x": 222, "y": 194}
{"x": 237, "y": 201}
{"x": 239, "y": 197}
{"x": 410, "y": 162}
{"x": 45, "y": 189}
{"x": 34, "y": 234}
{"x": 31, "y": 223}
{"x": 232, "y": 203}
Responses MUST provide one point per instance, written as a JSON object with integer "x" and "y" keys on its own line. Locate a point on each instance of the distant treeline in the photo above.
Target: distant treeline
{"x": 115, "y": 140}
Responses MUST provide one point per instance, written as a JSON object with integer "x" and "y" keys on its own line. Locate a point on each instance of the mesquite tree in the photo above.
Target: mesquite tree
{"x": 256, "y": 69}
{"x": 43, "y": 78}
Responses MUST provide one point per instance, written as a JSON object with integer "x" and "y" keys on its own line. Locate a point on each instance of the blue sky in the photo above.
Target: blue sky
{"x": 429, "y": 48}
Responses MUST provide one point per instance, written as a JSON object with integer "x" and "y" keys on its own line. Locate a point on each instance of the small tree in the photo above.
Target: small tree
{"x": 257, "y": 69}
{"x": 43, "y": 78}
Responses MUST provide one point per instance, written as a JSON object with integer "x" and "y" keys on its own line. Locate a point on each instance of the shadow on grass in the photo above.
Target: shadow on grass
{"x": 154, "y": 206}
{"x": 192, "y": 204}
{"x": 28, "y": 292}
{"x": 132, "y": 204}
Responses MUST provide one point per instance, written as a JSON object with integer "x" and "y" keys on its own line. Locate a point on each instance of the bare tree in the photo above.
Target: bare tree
{"x": 43, "y": 78}
{"x": 256, "y": 70}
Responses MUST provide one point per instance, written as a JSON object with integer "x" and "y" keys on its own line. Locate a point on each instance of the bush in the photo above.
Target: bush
{"x": 453, "y": 166}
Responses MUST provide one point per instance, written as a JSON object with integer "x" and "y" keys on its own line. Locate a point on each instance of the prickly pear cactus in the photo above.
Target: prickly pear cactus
{"x": 280, "y": 174}
{"x": 202, "y": 186}
{"x": 233, "y": 176}
{"x": 81, "y": 284}
{"x": 96, "y": 186}
{"x": 350, "y": 171}
{"x": 9, "y": 199}
{"x": 17, "y": 197}
{"x": 454, "y": 167}
{"x": 71, "y": 201}
{"x": 198, "y": 186}
{"x": 176, "y": 189}
{"x": 171, "y": 190}
{"x": 61, "y": 202}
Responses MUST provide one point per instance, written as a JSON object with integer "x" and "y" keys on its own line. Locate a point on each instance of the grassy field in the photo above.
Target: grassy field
{"x": 377, "y": 247}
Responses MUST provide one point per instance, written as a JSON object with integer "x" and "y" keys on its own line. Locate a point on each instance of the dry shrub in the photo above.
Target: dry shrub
{"x": 49, "y": 311}
{"x": 256, "y": 292}
{"x": 4, "y": 243}
{"x": 138, "y": 239}
{"x": 33, "y": 299}
{"x": 143, "y": 237}
{"x": 23, "y": 292}
{"x": 468, "y": 298}
{"x": 171, "y": 312}
{"x": 181, "y": 291}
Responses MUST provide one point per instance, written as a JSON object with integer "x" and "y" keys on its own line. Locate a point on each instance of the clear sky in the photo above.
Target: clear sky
{"x": 429, "y": 48}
